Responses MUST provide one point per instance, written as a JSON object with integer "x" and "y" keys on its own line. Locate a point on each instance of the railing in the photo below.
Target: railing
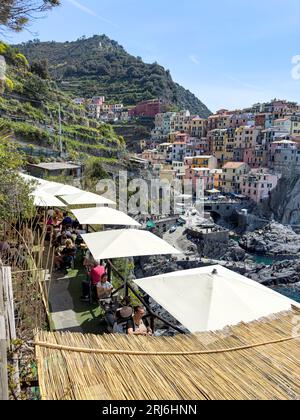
{"x": 126, "y": 286}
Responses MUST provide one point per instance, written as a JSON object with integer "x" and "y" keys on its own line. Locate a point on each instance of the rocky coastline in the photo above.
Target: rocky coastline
{"x": 277, "y": 241}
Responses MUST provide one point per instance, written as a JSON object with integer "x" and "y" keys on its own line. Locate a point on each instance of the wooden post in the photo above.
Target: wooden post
{"x": 143, "y": 301}
{"x": 3, "y": 348}
{"x": 11, "y": 335}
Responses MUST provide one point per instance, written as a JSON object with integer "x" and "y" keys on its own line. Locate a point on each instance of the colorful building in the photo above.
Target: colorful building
{"x": 285, "y": 158}
{"x": 230, "y": 179}
{"x": 258, "y": 184}
{"x": 148, "y": 109}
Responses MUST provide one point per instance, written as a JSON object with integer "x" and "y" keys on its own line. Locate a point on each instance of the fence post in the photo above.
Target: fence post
{"x": 3, "y": 346}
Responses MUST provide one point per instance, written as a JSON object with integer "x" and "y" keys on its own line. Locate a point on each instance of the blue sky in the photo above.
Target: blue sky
{"x": 230, "y": 53}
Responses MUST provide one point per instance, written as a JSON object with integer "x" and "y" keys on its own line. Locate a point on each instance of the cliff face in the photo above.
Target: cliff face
{"x": 284, "y": 203}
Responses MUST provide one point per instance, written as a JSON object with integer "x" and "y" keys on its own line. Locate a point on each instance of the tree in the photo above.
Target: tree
{"x": 93, "y": 173}
{"x": 40, "y": 68}
{"x": 14, "y": 191}
{"x": 15, "y": 14}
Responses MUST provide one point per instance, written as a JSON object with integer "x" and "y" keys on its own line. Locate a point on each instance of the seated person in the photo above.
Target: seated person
{"x": 75, "y": 225}
{"x": 141, "y": 327}
{"x": 69, "y": 234}
{"x": 88, "y": 261}
{"x": 50, "y": 213}
{"x": 58, "y": 214}
{"x": 67, "y": 221}
{"x": 96, "y": 273}
{"x": 49, "y": 221}
{"x": 78, "y": 239}
{"x": 104, "y": 287}
{"x": 68, "y": 253}
{"x": 58, "y": 260}
{"x": 124, "y": 321}
{"x": 61, "y": 239}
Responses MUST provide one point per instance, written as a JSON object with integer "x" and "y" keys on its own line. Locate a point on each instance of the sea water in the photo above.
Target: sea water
{"x": 291, "y": 291}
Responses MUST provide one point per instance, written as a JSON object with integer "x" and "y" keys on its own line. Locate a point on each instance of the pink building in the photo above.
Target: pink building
{"x": 148, "y": 109}
{"x": 153, "y": 156}
{"x": 200, "y": 177}
{"x": 98, "y": 100}
{"x": 256, "y": 157}
{"x": 258, "y": 184}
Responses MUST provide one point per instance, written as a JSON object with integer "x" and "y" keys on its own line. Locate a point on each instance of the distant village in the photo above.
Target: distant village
{"x": 243, "y": 152}
{"x": 99, "y": 109}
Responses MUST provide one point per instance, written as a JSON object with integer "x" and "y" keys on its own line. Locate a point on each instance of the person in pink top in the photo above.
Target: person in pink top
{"x": 96, "y": 273}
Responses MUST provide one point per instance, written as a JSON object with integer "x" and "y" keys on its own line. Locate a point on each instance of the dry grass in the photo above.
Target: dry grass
{"x": 267, "y": 372}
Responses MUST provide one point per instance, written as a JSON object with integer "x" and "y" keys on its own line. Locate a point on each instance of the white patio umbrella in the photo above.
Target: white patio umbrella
{"x": 103, "y": 216}
{"x": 39, "y": 182}
{"x": 125, "y": 243}
{"x": 214, "y": 191}
{"x": 43, "y": 199}
{"x": 85, "y": 198}
{"x": 58, "y": 189}
{"x": 211, "y": 298}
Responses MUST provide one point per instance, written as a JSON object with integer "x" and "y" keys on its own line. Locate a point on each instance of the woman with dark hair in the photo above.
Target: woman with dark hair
{"x": 141, "y": 326}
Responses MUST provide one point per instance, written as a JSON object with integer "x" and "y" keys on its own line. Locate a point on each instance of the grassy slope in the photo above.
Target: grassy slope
{"x": 29, "y": 108}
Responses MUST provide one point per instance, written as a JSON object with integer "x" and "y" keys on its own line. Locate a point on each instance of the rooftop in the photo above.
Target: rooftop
{"x": 203, "y": 157}
{"x": 56, "y": 166}
{"x": 233, "y": 165}
{"x": 256, "y": 361}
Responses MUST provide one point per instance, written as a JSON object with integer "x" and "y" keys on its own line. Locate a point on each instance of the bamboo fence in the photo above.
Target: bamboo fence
{"x": 259, "y": 360}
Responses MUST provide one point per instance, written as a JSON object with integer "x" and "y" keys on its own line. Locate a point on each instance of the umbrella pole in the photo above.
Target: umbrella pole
{"x": 126, "y": 289}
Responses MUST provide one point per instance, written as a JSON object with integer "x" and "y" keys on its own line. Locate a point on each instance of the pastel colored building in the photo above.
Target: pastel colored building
{"x": 229, "y": 181}
{"x": 147, "y": 109}
{"x": 222, "y": 144}
{"x": 205, "y": 161}
{"x": 258, "y": 184}
{"x": 295, "y": 125}
{"x": 284, "y": 123}
{"x": 153, "y": 156}
{"x": 178, "y": 152}
{"x": 180, "y": 120}
{"x": 163, "y": 125}
{"x": 285, "y": 158}
{"x": 98, "y": 100}
{"x": 202, "y": 179}
{"x": 197, "y": 127}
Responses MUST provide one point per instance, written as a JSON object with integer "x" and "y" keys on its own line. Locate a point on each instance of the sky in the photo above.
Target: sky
{"x": 230, "y": 53}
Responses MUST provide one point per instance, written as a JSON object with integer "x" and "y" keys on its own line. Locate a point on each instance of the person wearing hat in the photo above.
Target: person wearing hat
{"x": 124, "y": 321}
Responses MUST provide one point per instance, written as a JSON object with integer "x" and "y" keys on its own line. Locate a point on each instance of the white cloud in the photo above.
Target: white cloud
{"x": 194, "y": 59}
{"x": 89, "y": 11}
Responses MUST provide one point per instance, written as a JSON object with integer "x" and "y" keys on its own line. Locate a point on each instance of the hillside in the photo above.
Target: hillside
{"x": 100, "y": 66}
{"x": 29, "y": 108}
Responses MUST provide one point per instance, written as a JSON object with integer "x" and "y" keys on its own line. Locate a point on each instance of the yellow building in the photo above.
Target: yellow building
{"x": 217, "y": 174}
{"x": 231, "y": 177}
{"x": 196, "y": 127}
{"x": 295, "y": 126}
{"x": 222, "y": 144}
{"x": 209, "y": 162}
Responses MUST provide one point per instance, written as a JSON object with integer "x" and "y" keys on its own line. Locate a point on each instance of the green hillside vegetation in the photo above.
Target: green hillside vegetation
{"x": 100, "y": 66}
{"x": 29, "y": 107}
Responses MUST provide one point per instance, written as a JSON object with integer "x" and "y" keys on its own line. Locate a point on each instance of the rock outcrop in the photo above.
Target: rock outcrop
{"x": 274, "y": 239}
{"x": 283, "y": 203}
{"x": 283, "y": 272}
